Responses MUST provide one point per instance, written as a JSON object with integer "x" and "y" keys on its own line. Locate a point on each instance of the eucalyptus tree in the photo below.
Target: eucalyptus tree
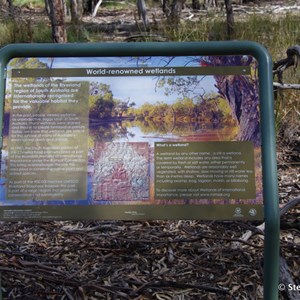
{"x": 57, "y": 19}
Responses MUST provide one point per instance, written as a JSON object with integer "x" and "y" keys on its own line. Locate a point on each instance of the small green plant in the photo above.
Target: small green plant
{"x": 31, "y": 3}
{"x": 12, "y": 31}
{"x": 24, "y": 31}
{"x": 41, "y": 33}
{"x": 78, "y": 33}
{"x": 5, "y": 31}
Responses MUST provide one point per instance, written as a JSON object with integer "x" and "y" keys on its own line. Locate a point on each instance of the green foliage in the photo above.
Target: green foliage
{"x": 24, "y": 62}
{"x": 183, "y": 85}
{"x": 103, "y": 105}
{"x": 31, "y": 3}
{"x": 275, "y": 33}
{"x": 15, "y": 32}
{"x": 41, "y": 33}
{"x": 203, "y": 30}
{"x": 185, "y": 111}
{"x": 78, "y": 33}
{"x": 20, "y": 31}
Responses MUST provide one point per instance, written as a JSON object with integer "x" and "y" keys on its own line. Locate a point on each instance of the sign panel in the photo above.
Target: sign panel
{"x": 132, "y": 137}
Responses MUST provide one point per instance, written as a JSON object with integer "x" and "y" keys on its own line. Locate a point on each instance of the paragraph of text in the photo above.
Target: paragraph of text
{"x": 204, "y": 170}
{"x": 48, "y": 141}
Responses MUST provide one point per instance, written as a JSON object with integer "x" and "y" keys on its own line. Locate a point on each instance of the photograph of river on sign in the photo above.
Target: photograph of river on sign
{"x": 132, "y": 130}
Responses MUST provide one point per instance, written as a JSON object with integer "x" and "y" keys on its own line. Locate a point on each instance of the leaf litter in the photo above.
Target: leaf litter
{"x": 128, "y": 260}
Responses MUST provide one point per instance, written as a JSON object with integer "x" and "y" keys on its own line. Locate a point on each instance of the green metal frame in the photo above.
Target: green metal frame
{"x": 270, "y": 190}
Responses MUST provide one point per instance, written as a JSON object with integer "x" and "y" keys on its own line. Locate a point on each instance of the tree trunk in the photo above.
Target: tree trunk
{"x": 76, "y": 12}
{"x": 244, "y": 103}
{"x": 241, "y": 92}
{"x": 47, "y": 8}
{"x": 210, "y": 3}
{"x": 88, "y": 6}
{"x": 230, "y": 19}
{"x": 176, "y": 8}
{"x": 142, "y": 11}
{"x": 172, "y": 10}
{"x": 196, "y": 4}
{"x": 57, "y": 19}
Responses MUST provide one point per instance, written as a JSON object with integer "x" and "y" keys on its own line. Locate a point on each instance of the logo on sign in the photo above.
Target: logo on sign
{"x": 238, "y": 212}
{"x": 252, "y": 212}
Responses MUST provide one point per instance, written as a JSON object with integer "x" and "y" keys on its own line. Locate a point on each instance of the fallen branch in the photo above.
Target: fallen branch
{"x": 181, "y": 286}
{"x": 291, "y": 204}
{"x": 191, "y": 240}
{"x": 247, "y": 235}
{"x": 146, "y": 36}
{"x": 65, "y": 282}
{"x": 292, "y": 60}
{"x": 292, "y": 245}
{"x": 286, "y": 86}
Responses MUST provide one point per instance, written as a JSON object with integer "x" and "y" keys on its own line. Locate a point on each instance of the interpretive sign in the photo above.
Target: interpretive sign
{"x": 98, "y": 133}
